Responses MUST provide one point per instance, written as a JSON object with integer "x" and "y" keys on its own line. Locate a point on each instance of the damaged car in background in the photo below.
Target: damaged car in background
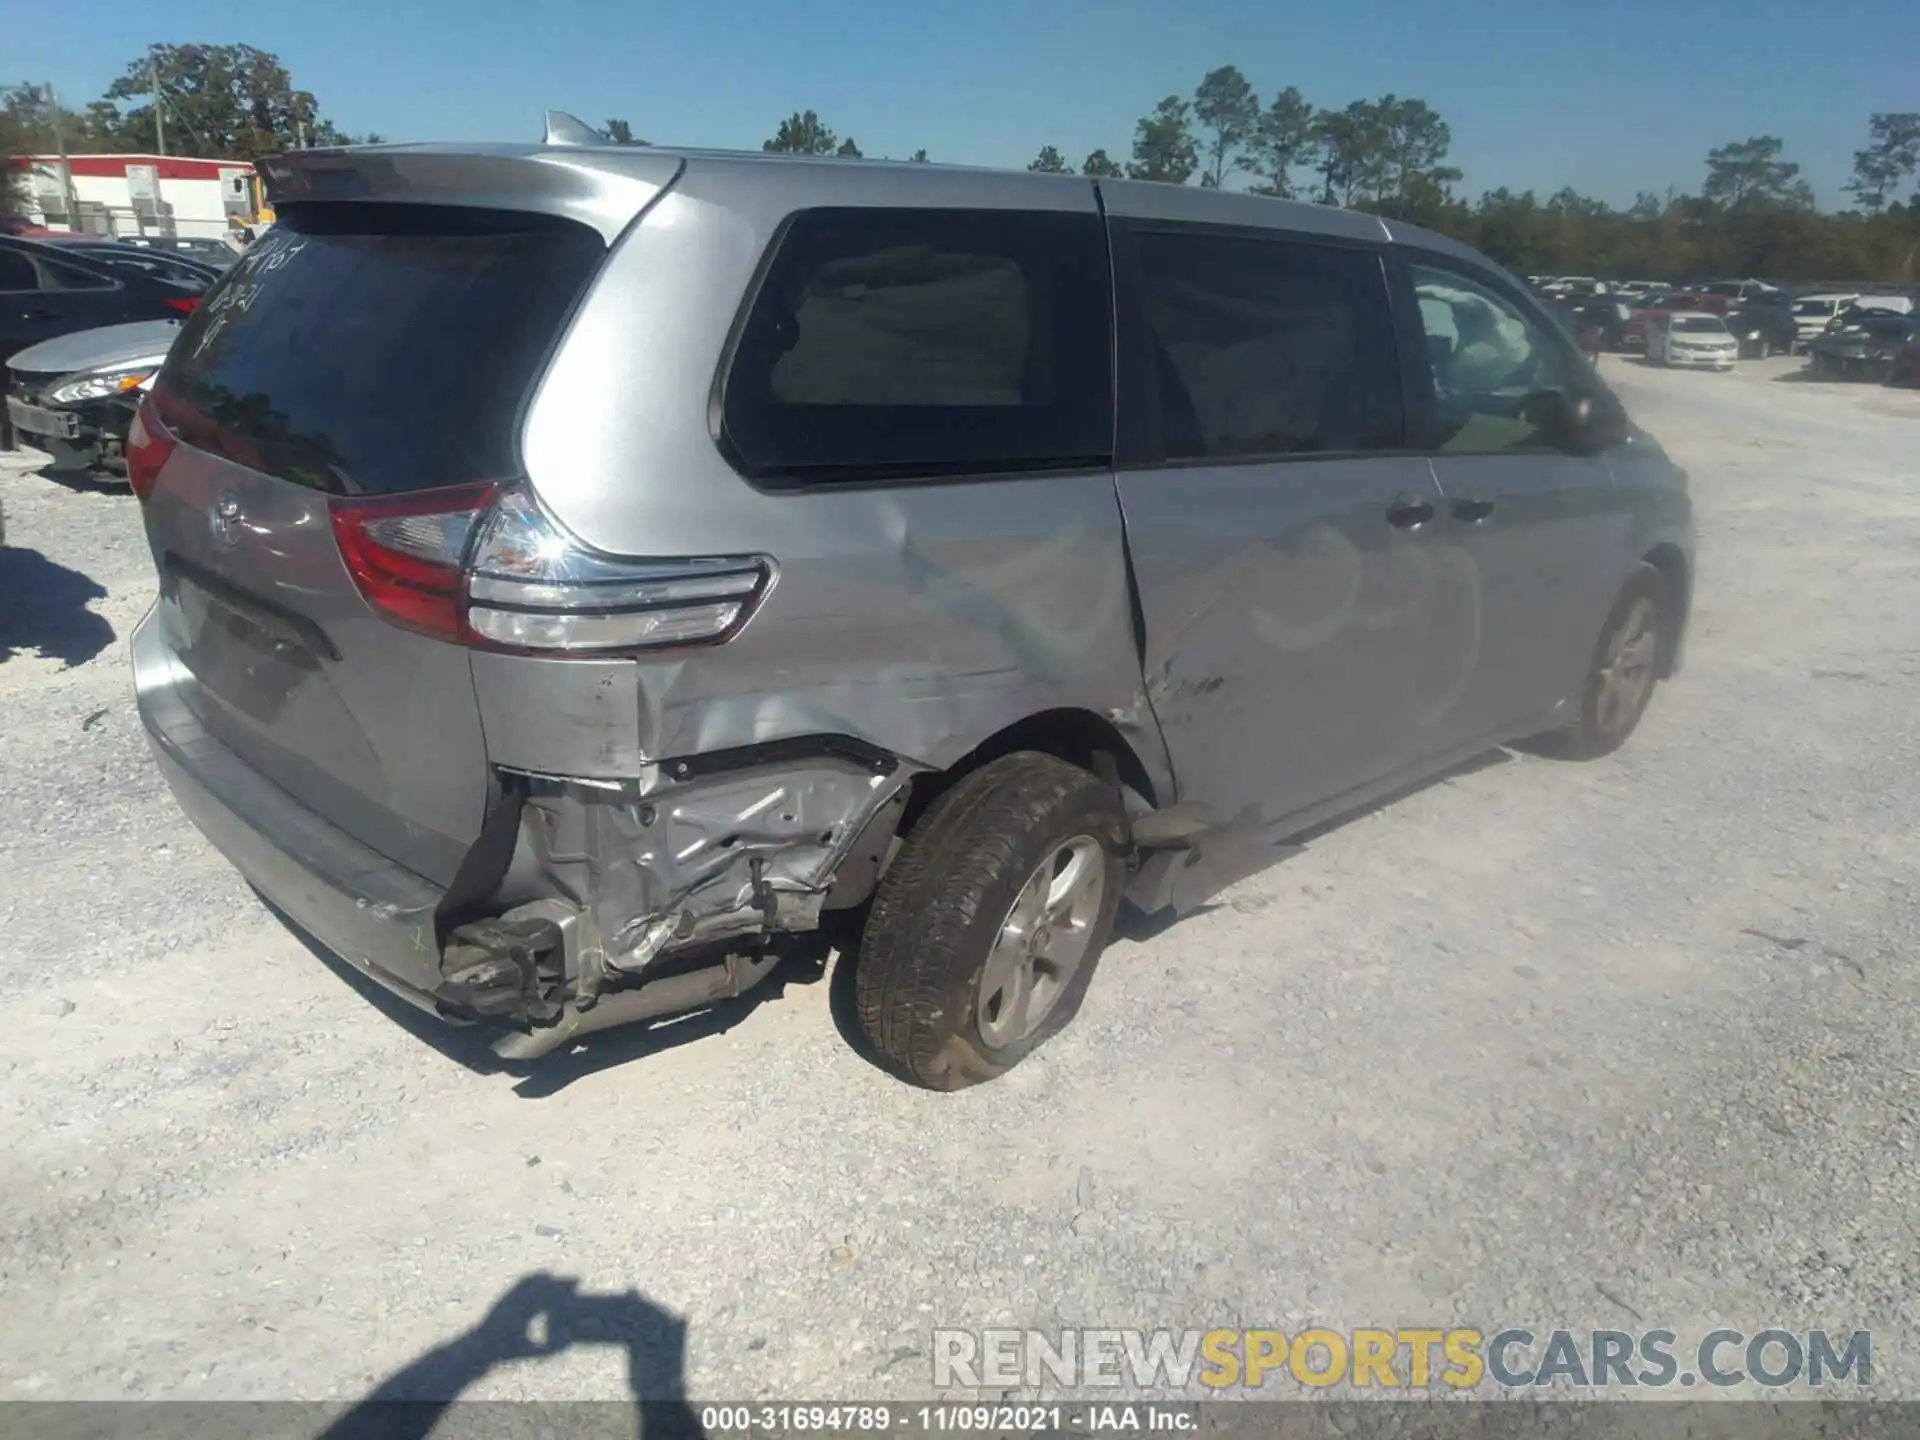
{"x": 75, "y": 397}
{"x": 1864, "y": 345}
{"x": 582, "y": 568}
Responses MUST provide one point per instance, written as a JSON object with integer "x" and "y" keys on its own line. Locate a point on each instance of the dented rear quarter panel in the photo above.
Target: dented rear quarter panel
{"x": 920, "y": 617}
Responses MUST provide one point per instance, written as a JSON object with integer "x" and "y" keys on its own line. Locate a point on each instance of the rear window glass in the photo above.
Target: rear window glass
{"x": 895, "y": 343}
{"x": 367, "y": 349}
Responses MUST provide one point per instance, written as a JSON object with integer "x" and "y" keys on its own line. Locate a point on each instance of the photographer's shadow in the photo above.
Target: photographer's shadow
{"x": 541, "y": 1315}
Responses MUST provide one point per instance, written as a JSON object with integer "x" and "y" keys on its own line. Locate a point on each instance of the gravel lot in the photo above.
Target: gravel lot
{"x": 1607, "y": 1045}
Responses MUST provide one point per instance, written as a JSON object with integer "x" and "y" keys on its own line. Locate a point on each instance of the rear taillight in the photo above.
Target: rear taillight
{"x": 185, "y": 304}
{"x": 531, "y": 586}
{"x": 404, "y": 553}
{"x": 485, "y": 566}
{"x": 149, "y": 443}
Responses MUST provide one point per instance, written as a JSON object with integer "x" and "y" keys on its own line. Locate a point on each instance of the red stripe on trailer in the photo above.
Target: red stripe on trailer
{"x": 169, "y": 167}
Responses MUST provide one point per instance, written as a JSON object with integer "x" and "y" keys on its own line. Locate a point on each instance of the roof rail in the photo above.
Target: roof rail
{"x": 565, "y": 129}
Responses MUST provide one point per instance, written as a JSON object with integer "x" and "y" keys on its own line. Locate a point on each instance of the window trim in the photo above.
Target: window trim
{"x": 786, "y": 480}
{"x": 1423, "y": 423}
{"x": 1139, "y": 444}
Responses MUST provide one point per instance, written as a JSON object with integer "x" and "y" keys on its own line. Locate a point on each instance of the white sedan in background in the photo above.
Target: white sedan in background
{"x": 1692, "y": 340}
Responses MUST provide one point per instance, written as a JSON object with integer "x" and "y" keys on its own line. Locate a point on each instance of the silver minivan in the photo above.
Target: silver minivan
{"x": 580, "y": 568}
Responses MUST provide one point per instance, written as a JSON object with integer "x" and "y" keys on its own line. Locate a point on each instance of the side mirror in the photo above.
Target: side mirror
{"x": 1579, "y": 422}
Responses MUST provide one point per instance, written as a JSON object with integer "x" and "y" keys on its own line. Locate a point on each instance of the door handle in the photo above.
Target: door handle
{"x": 1472, "y": 512}
{"x": 1409, "y": 512}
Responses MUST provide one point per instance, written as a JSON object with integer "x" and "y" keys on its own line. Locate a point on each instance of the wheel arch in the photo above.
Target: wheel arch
{"x": 1079, "y": 737}
{"x": 1671, "y": 561}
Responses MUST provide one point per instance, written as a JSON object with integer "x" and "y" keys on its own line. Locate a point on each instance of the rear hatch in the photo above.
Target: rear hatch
{"x": 359, "y": 355}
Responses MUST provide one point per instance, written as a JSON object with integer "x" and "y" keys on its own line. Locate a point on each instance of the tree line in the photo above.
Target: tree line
{"x": 215, "y": 102}
{"x": 1753, "y": 213}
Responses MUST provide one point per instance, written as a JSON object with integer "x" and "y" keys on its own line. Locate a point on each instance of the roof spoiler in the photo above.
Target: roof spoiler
{"x": 565, "y": 129}
{"x": 521, "y": 177}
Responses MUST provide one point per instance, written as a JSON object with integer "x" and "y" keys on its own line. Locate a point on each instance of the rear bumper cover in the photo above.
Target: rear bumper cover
{"x": 710, "y": 854}
{"x": 373, "y": 913}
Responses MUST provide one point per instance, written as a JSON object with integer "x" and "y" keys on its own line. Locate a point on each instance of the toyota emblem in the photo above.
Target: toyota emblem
{"x": 226, "y": 519}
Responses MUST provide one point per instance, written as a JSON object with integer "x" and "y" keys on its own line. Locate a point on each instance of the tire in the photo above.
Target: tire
{"x": 1641, "y": 617}
{"x": 945, "y": 920}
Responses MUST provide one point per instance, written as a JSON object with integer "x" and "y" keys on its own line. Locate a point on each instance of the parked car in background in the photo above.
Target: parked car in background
{"x": 162, "y": 264}
{"x": 1609, "y": 312}
{"x": 1649, "y": 311}
{"x": 1885, "y": 304}
{"x": 220, "y": 254}
{"x": 1692, "y": 340}
{"x": 75, "y": 397}
{"x": 47, "y": 291}
{"x": 470, "y": 653}
{"x": 1587, "y": 322}
{"x": 1763, "y": 328}
{"x": 1813, "y": 313}
{"x": 1575, "y": 285}
{"x": 1739, "y": 291}
{"x": 1905, "y": 369}
{"x": 1863, "y": 346}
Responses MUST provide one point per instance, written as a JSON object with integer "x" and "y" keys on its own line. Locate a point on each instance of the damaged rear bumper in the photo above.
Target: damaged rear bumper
{"x": 362, "y": 906}
{"x": 585, "y": 904}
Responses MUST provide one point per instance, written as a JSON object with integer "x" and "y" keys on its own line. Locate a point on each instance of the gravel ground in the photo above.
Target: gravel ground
{"x": 1619, "y": 1044}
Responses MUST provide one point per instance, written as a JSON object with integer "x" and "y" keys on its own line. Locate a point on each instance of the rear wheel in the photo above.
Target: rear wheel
{"x": 986, "y": 930}
{"x": 1625, "y": 668}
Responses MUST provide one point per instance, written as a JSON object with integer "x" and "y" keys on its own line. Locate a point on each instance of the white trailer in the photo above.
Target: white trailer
{"x": 140, "y": 195}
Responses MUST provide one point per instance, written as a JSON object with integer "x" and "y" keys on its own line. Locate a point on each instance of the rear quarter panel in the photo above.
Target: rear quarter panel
{"x": 921, "y": 618}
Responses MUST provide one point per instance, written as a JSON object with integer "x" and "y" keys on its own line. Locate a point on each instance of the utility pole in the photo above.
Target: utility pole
{"x": 66, "y": 169}
{"x": 159, "y": 110}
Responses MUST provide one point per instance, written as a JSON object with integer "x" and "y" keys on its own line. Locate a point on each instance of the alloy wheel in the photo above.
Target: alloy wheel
{"x": 1627, "y": 667}
{"x": 1041, "y": 944}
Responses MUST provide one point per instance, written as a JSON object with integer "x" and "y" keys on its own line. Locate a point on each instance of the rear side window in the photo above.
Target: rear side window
{"x": 58, "y": 275}
{"x": 899, "y": 343}
{"x": 368, "y": 349}
{"x": 17, "y": 272}
{"x": 1267, "y": 348}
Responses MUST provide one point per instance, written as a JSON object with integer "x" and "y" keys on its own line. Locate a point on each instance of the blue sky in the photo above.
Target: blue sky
{"x": 1608, "y": 96}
